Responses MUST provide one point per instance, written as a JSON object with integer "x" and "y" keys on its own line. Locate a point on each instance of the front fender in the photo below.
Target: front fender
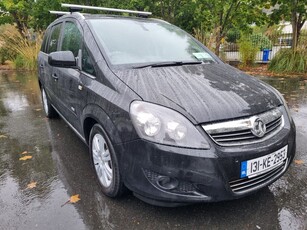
{"x": 117, "y": 125}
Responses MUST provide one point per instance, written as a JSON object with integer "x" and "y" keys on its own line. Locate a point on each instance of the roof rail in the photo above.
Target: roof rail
{"x": 58, "y": 13}
{"x": 73, "y": 8}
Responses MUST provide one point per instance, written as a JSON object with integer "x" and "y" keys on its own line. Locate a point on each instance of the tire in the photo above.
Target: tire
{"x": 105, "y": 163}
{"x": 49, "y": 110}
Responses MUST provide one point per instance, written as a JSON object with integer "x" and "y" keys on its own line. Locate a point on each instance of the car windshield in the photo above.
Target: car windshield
{"x": 137, "y": 42}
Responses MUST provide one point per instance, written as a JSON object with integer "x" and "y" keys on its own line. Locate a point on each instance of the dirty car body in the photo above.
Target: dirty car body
{"x": 178, "y": 126}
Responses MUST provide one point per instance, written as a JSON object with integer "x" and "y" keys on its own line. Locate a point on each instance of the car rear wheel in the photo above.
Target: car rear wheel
{"x": 105, "y": 162}
{"x": 49, "y": 110}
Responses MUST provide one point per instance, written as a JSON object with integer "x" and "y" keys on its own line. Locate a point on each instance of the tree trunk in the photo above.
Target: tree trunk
{"x": 19, "y": 25}
{"x": 162, "y": 9}
{"x": 294, "y": 22}
{"x": 218, "y": 40}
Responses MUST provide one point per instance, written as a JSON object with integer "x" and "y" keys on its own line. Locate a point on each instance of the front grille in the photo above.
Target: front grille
{"x": 239, "y": 132}
{"x": 244, "y": 135}
{"x": 248, "y": 184}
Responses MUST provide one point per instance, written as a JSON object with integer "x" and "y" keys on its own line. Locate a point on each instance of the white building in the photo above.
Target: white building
{"x": 287, "y": 27}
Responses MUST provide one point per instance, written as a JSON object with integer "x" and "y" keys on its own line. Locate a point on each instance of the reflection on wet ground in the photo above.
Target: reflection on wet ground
{"x": 60, "y": 166}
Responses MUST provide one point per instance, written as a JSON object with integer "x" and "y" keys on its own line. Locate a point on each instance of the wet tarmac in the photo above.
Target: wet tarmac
{"x": 60, "y": 166}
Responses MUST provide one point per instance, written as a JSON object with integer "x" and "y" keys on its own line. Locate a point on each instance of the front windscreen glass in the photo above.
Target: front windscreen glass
{"x": 133, "y": 42}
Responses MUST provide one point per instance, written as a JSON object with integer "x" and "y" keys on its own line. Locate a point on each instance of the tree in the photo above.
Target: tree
{"x": 5, "y": 17}
{"x": 35, "y": 13}
{"x": 182, "y": 13}
{"x": 217, "y": 17}
{"x": 294, "y": 11}
{"x": 41, "y": 17}
{"x": 222, "y": 15}
{"x": 17, "y": 12}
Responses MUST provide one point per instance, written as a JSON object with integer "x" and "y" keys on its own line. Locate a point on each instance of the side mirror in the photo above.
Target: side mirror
{"x": 63, "y": 59}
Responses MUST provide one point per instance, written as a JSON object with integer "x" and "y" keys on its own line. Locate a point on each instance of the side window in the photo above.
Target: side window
{"x": 87, "y": 62}
{"x": 46, "y": 36}
{"x": 54, "y": 38}
{"x": 72, "y": 38}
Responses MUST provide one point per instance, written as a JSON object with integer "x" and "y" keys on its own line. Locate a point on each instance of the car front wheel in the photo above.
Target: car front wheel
{"x": 105, "y": 162}
{"x": 49, "y": 110}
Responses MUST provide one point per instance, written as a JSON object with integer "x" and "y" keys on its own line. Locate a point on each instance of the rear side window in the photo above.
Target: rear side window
{"x": 72, "y": 38}
{"x": 54, "y": 38}
{"x": 46, "y": 36}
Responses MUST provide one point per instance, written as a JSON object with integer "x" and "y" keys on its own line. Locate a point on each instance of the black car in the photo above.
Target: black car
{"x": 161, "y": 114}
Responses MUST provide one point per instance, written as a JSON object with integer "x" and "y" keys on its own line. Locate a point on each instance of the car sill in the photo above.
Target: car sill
{"x": 70, "y": 125}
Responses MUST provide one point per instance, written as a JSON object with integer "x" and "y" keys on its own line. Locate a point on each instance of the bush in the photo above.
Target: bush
{"x": 3, "y": 56}
{"x": 289, "y": 61}
{"x": 6, "y": 54}
{"x": 233, "y": 35}
{"x": 19, "y": 62}
{"x": 261, "y": 41}
{"x": 247, "y": 52}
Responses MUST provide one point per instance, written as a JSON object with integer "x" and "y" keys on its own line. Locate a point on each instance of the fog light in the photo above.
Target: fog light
{"x": 167, "y": 183}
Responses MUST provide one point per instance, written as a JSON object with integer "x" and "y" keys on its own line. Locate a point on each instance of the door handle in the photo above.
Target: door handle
{"x": 55, "y": 76}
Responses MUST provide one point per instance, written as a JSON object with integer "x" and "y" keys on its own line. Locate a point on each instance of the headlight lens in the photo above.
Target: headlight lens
{"x": 165, "y": 126}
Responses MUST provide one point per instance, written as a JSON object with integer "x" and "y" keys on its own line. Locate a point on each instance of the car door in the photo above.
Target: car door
{"x": 43, "y": 56}
{"x": 49, "y": 73}
{"x": 73, "y": 94}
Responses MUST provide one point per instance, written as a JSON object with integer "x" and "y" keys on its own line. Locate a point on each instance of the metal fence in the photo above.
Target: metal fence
{"x": 268, "y": 46}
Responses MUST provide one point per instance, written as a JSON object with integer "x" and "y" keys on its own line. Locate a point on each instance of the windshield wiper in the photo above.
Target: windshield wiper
{"x": 171, "y": 63}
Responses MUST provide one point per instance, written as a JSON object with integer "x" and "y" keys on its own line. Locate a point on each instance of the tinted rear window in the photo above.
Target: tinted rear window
{"x": 46, "y": 36}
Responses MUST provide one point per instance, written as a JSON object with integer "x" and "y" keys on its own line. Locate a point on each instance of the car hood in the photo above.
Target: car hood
{"x": 203, "y": 93}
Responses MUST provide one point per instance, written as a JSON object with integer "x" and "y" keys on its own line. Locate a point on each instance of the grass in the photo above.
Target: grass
{"x": 23, "y": 49}
{"x": 289, "y": 61}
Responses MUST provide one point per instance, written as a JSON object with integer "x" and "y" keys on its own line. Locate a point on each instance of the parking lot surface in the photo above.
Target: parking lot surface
{"x": 34, "y": 191}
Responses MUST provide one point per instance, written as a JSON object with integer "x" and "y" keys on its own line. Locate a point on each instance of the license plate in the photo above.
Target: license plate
{"x": 263, "y": 164}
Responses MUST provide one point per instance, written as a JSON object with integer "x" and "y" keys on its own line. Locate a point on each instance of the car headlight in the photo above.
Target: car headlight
{"x": 165, "y": 126}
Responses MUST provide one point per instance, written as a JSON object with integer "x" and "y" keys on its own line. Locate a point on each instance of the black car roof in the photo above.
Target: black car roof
{"x": 85, "y": 16}
{"x": 82, "y": 17}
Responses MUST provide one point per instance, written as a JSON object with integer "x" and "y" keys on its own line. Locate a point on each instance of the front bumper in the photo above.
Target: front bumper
{"x": 170, "y": 176}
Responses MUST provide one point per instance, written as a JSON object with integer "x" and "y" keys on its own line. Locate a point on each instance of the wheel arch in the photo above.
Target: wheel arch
{"x": 94, "y": 114}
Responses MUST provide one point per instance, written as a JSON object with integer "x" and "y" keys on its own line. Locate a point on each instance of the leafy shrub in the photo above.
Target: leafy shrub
{"x": 247, "y": 52}
{"x": 289, "y": 61}
{"x": 233, "y": 35}
{"x": 261, "y": 41}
